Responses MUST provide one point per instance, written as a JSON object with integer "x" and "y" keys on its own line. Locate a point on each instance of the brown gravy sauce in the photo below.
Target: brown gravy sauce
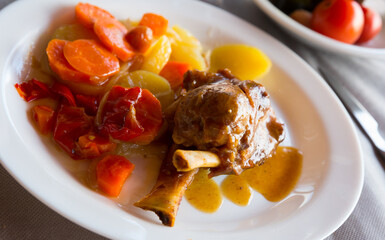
{"x": 275, "y": 180}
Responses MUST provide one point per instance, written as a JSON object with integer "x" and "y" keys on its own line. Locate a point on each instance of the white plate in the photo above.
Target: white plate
{"x": 318, "y": 125}
{"x": 374, "y": 48}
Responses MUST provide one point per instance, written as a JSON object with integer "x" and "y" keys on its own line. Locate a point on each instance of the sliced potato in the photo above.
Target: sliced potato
{"x": 186, "y": 48}
{"x": 73, "y": 32}
{"x": 157, "y": 56}
{"x": 245, "y": 62}
{"x": 186, "y": 37}
{"x": 185, "y": 53}
{"x": 156, "y": 84}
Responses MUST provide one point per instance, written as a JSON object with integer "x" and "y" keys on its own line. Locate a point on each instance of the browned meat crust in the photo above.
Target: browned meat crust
{"x": 229, "y": 117}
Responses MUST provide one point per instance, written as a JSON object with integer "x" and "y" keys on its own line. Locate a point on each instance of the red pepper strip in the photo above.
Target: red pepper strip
{"x": 65, "y": 92}
{"x": 33, "y": 90}
{"x": 89, "y": 103}
{"x": 71, "y": 123}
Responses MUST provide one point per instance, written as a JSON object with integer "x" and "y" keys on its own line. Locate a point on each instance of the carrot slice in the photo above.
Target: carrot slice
{"x": 88, "y": 14}
{"x": 111, "y": 33}
{"x": 91, "y": 58}
{"x": 157, "y": 23}
{"x": 111, "y": 173}
{"x": 173, "y": 71}
{"x": 60, "y": 65}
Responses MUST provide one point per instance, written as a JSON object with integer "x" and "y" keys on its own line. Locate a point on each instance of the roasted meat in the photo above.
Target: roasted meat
{"x": 218, "y": 113}
{"x": 229, "y": 117}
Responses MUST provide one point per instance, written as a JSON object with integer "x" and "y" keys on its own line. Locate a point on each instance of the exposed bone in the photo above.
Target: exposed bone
{"x": 165, "y": 196}
{"x": 187, "y": 160}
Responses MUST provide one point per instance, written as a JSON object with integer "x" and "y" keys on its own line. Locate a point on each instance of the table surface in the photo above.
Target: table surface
{"x": 24, "y": 217}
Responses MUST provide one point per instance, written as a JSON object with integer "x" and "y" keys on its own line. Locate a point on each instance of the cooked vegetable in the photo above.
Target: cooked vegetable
{"x": 372, "y": 26}
{"x": 61, "y": 67}
{"x": 111, "y": 173}
{"x": 111, "y": 33}
{"x": 245, "y": 62}
{"x": 131, "y": 114}
{"x": 71, "y": 123}
{"x": 186, "y": 48}
{"x": 140, "y": 38}
{"x": 342, "y": 20}
{"x": 72, "y": 32}
{"x": 89, "y": 103}
{"x": 173, "y": 72}
{"x": 157, "y": 56}
{"x": 156, "y": 84}
{"x": 91, "y": 145}
{"x": 65, "y": 92}
{"x": 91, "y": 58}
{"x": 88, "y": 14}
{"x": 157, "y": 23}
{"x": 44, "y": 117}
{"x": 33, "y": 90}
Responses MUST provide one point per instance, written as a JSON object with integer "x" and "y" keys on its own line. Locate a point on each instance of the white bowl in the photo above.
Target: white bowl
{"x": 374, "y": 48}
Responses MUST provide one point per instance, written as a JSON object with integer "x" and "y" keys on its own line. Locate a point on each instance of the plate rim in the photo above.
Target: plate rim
{"x": 73, "y": 218}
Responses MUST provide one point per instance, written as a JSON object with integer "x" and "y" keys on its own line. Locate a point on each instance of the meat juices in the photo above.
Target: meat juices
{"x": 229, "y": 117}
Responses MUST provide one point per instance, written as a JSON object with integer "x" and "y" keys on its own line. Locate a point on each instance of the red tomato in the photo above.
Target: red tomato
{"x": 131, "y": 114}
{"x": 373, "y": 25}
{"x": 342, "y": 20}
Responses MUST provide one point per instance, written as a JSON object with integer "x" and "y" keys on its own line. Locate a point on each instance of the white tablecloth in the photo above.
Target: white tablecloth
{"x": 23, "y": 217}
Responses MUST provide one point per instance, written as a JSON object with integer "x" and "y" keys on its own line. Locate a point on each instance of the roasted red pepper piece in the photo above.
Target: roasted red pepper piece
{"x": 89, "y": 103}
{"x": 91, "y": 145}
{"x": 131, "y": 114}
{"x": 71, "y": 123}
{"x": 111, "y": 173}
{"x": 65, "y": 92}
{"x": 32, "y": 90}
{"x": 44, "y": 117}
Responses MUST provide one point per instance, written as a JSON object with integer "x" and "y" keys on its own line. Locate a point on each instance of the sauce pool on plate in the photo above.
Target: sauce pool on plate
{"x": 275, "y": 180}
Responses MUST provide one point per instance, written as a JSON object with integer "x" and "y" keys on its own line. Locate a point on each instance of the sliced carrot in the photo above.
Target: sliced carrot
{"x": 173, "y": 72}
{"x": 91, "y": 58}
{"x": 88, "y": 14}
{"x": 60, "y": 65}
{"x": 157, "y": 23}
{"x": 111, "y": 33}
{"x": 111, "y": 173}
{"x": 44, "y": 117}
